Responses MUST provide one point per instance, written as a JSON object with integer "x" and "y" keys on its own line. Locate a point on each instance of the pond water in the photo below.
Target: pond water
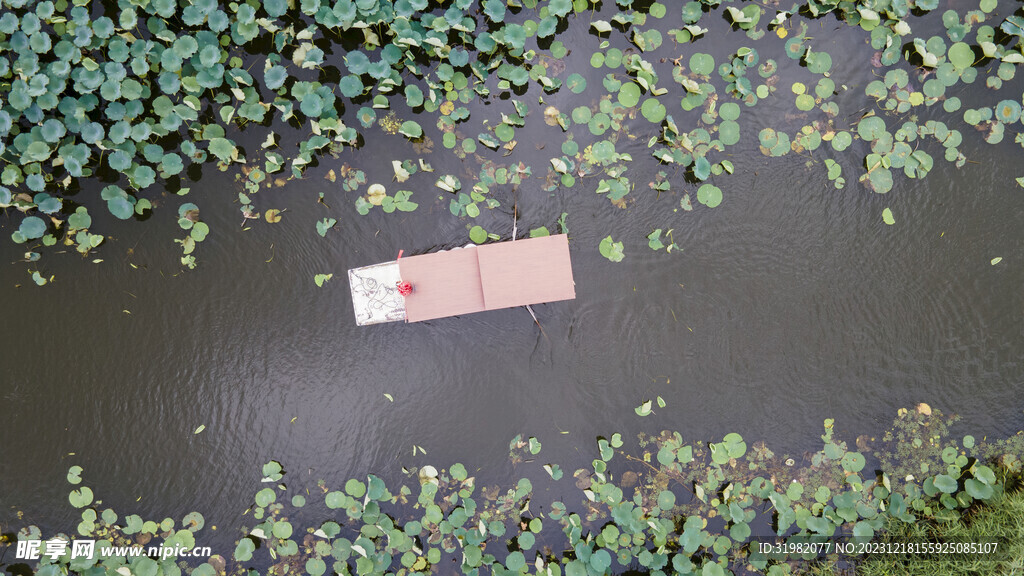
{"x": 789, "y": 303}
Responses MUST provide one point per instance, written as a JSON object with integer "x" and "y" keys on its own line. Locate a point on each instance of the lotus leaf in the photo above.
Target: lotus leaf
{"x": 80, "y": 220}
{"x": 871, "y": 128}
{"x": 611, "y": 249}
{"x": 819, "y": 62}
{"x": 599, "y": 124}
{"x": 32, "y": 227}
{"x": 961, "y": 56}
{"x": 805, "y": 102}
{"x": 653, "y": 110}
{"x": 729, "y": 132}
{"x": 478, "y": 235}
{"x": 880, "y": 179}
{"x": 411, "y": 129}
{"x": 80, "y": 497}
{"x": 629, "y": 94}
{"x": 576, "y": 83}
{"x": 945, "y": 483}
{"x": 709, "y": 195}
{"x": 1008, "y": 111}
{"x": 702, "y": 64}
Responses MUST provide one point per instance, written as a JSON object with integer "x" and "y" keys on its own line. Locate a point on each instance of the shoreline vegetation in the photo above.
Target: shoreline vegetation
{"x": 661, "y": 506}
{"x": 1000, "y": 519}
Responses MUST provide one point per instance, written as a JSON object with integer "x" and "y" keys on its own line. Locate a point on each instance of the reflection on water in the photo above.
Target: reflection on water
{"x": 789, "y": 303}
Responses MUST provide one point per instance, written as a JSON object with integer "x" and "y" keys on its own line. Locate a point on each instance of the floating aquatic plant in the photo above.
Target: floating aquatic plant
{"x": 668, "y": 503}
{"x": 104, "y": 100}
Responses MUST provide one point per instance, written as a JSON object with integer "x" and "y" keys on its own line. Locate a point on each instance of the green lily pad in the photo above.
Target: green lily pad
{"x": 600, "y": 561}
{"x": 611, "y": 249}
{"x": 613, "y": 58}
{"x": 282, "y": 529}
{"x": 729, "y": 111}
{"x": 335, "y": 500}
{"x": 581, "y": 114}
{"x": 825, "y": 88}
{"x": 653, "y": 110}
{"x": 841, "y": 141}
{"x": 918, "y": 164}
{"x": 1006, "y": 71}
{"x": 629, "y": 94}
{"x": 666, "y": 500}
{"x": 413, "y": 96}
{"x": 576, "y": 83}
{"x": 945, "y": 483}
{"x": 599, "y": 124}
{"x": 871, "y": 128}
{"x": 505, "y": 132}
{"x": 729, "y": 132}
{"x": 1008, "y": 111}
{"x": 774, "y": 143}
{"x": 32, "y": 227}
{"x": 880, "y": 180}
{"x": 314, "y": 567}
{"x": 961, "y": 56}
{"x": 265, "y": 497}
{"x": 703, "y": 64}
{"x": 876, "y": 89}
{"x": 888, "y": 219}
{"x": 199, "y": 231}
{"x": 709, "y": 195}
{"x": 411, "y": 129}
{"x": 654, "y": 240}
{"x": 795, "y": 47}
{"x": 80, "y": 497}
{"x": 244, "y": 550}
{"x": 702, "y": 169}
{"x": 934, "y": 88}
{"x": 819, "y": 62}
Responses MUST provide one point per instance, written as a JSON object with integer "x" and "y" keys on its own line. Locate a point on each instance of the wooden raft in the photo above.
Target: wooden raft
{"x": 487, "y": 277}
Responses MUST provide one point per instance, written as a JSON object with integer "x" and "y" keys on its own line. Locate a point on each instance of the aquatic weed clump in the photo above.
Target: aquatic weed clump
{"x": 667, "y": 505}
{"x": 141, "y": 97}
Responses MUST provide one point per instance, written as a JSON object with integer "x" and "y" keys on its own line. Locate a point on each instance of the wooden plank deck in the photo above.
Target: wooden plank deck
{"x": 488, "y": 277}
{"x": 529, "y": 271}
{"x": 444, "y": 284}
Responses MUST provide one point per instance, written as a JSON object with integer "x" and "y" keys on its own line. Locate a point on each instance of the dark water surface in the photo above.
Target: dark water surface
{"x": 789, "y": 303}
